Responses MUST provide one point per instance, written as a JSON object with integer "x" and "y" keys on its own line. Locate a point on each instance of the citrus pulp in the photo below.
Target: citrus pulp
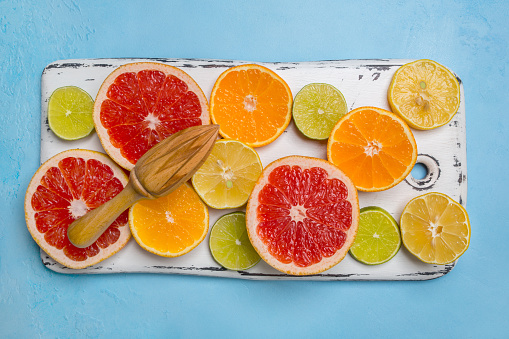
{"x": 252, "y": 104}
{"x": 317, "y": 108}
{"x": 302, "y": 215}
{"x": 378, "y": 237}
{"x": 230, "y": 245}
{"x": 140, "y": 104}
{"x": 435, "y": 228}
{"x": 172, "y": 225}
{"x": 425, "y": 94}
{"x": 65, "y": 188}
{"x": 374, "y": 147}
{"x": 70, "y": 113}
{"x": 228, "y": 175}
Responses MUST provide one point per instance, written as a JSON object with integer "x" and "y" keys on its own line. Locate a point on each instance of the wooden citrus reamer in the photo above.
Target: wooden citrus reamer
{"x": 157, "y": 173}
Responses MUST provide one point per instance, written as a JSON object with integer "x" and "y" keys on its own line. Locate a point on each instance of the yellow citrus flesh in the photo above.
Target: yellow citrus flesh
{"x": 252, "y": 104}
{"x": 425, "y": 94}
{"x": 172, "y": 225}
{"x": 435, "y": 228}
{"x": 228, "y": 175}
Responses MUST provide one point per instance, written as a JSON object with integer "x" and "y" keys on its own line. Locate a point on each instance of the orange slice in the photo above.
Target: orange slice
{"x": 66, "y": 187}
{"x": 374, "y": 147}
{"x": 172, "y": 225}
{"x": 251, "y": 104}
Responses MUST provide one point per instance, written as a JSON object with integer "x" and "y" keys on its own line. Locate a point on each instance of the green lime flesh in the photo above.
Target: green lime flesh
{"x": 317, "y": 108}
{"x": 378, "y": 237}
{"x": 70, "y": 112}
{"x": 229, "y": 243}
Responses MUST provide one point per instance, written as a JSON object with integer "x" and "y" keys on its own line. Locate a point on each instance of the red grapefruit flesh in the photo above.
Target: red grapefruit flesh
{"x": 63, "y": 189}
{"x": 140, "y": 104}
{"x": 302, "y": 215}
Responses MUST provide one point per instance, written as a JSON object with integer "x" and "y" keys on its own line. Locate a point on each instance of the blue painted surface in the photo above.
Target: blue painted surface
{"x": 470, "y": 37}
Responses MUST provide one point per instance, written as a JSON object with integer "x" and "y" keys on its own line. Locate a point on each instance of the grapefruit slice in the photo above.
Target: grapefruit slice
{"x": 302, "y": 215}
{"x": 65, "y": 188}
{"x": 140, "y": 104}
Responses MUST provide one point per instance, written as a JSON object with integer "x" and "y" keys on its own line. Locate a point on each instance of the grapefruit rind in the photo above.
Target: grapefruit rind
{"x": 168, "y": 254}
{"x": 288, "y": 116}
{"x": 102, "y": 132}
{"x": 54, "y": 253}
{"x": 408, "y": 133}
{"x": 252, "y": 222}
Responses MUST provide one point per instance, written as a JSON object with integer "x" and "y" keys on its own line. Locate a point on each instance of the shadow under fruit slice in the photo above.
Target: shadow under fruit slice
{"x": 65, "y": 188}
{"x": 140, "y": 104}
{"x": 302, "y": 215}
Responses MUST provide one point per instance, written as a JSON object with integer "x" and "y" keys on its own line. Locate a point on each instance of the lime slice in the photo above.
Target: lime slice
{"x": 70, "y": 113}
{"x": 317, "y": 108}
{"x": 229, "y": 174}
{"x": 378, "y": 237}
{"x": 230, "y": 245}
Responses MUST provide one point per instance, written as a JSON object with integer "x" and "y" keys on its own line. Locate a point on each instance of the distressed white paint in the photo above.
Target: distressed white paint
{"x": 362, "y": 82}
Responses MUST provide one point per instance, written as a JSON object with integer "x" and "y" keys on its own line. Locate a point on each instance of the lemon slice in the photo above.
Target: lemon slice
{"x": 378, "y": 237}
{"x": 228, "y": 175}
{"x": 435, "y": 228}
{"x": 425, "y": 94}
{"x": 317, "y": 108}
{"x": 229, "y": 243}
{"x": 70, "y": 113}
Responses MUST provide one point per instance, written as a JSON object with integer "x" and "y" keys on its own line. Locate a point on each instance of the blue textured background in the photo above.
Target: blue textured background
{"x": 468, "y": 36}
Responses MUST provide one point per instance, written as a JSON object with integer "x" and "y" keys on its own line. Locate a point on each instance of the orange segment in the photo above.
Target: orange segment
{"x": 172, "y": 225}
{"x": 374, "y": 147}
{"x": 252, "y": 104}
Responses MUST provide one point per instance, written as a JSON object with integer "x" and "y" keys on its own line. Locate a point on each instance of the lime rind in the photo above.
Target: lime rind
{"x": 229, "y": 243}
{"x": 317, "y": 108}
{"x": 70, "y": 111}
{"x": 378, "y": 237}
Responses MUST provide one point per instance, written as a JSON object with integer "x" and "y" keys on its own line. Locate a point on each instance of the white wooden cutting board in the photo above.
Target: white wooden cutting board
{"x": 362, "y": 82}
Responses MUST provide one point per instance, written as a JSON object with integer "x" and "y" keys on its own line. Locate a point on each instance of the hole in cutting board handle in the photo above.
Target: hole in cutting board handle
{"x": 425, "y": 172}
{"x": 419, "y": 171}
